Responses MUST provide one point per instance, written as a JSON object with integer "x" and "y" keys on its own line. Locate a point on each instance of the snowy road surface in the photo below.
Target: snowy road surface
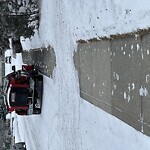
{"x": 68, "y": 122}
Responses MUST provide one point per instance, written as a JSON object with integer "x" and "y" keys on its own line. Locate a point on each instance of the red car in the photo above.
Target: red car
{"x": 23, "y": 91}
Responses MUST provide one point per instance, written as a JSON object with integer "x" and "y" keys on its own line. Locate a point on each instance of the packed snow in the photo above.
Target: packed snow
{"x": 68, "y": 122}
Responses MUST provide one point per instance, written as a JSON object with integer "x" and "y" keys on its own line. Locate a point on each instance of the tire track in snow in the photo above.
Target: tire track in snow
{"x": 69, "y": 105}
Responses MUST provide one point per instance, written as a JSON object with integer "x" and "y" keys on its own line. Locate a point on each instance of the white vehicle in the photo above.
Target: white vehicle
{"x": 8, "y": 54}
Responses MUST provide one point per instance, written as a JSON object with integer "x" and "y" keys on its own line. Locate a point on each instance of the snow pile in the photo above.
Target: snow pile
{"x": 103, "y": 18}
{"x": 67, "y": 121}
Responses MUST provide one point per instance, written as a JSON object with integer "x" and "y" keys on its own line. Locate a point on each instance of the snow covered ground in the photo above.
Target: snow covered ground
{"x": 68, "y": 122}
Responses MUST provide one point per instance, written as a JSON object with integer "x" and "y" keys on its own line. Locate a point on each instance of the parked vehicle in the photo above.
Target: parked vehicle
{"x": 23, "y": 90}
